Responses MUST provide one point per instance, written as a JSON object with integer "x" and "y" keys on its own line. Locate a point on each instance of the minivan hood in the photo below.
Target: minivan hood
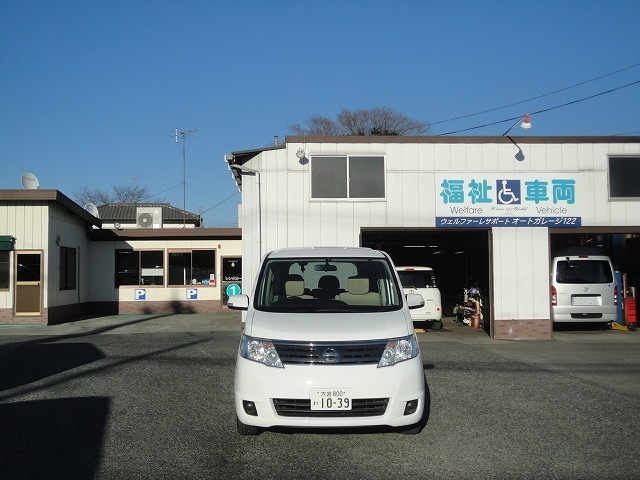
{"x": 323, "y": 327}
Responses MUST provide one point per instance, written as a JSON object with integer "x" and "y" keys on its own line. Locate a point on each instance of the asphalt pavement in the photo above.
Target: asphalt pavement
{"x": 151, "y": 397}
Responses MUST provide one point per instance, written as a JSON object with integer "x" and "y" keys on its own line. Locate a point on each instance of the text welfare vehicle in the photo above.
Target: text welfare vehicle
{"x": 422, "y": 280}
{"x": 328, "y": 342}
{"x": 583, "y": 288}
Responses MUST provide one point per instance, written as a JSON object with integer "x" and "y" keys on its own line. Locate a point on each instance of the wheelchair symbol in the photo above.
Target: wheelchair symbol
{"x": 506, "y": 195}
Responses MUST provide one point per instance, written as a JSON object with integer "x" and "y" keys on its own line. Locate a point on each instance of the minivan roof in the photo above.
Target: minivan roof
{"x": 324, "y": 252}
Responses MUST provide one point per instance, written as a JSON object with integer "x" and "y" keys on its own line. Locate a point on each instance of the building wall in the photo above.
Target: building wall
{"x": 67, "y": 230}
{"x": 105, "y": 298}
{"x": 37, "y": 226}
{"x": 28, "y": 222}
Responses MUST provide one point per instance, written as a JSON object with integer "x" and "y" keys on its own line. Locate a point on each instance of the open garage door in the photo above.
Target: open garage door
{"x": 622, "y": 244}
{"x": 459, "y": 258}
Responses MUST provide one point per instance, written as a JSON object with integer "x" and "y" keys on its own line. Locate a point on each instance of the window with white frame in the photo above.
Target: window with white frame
{"x": 347, "y": 177}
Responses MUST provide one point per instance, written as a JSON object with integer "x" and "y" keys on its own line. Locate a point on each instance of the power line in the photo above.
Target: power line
{"x": 219, "y": 203}
{"x": 536, "y": 97}
{"x": 544, "y": 110}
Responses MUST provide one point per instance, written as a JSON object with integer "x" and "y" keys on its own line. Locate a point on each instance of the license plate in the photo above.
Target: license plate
{"x": 330, "y": 399}
{"x": 586, "y": 300}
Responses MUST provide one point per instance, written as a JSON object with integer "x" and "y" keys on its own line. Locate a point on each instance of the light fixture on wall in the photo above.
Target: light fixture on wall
{"x": 525, "y": 123}
{"x": 300, "y": 153}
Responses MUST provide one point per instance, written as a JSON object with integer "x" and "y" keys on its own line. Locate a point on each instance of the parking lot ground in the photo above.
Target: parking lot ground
{"x": 151, "y": 397}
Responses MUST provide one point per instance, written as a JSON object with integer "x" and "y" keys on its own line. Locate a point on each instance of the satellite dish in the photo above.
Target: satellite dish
{"x": 92, "y": 209}
{"x": 30, "y": 181}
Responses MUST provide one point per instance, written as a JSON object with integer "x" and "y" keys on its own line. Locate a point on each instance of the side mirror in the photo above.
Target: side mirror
{"x": 414, "y": 300}
{"x": 238, "y": 302}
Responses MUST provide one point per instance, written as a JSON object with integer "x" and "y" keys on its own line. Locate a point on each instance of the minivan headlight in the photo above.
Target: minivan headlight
{"x": 399, "y": 350}
{"x": 259, "y": 350}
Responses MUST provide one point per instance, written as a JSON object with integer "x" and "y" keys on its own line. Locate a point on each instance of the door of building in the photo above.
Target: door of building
{"x": 28, "y": 284}
{"x": 231, "y": 277}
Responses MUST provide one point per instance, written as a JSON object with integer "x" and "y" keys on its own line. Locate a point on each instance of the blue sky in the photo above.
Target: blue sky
{"x": 92, "y": 90}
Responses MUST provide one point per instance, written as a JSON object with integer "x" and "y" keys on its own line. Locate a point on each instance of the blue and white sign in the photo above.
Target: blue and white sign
{"x": 192, "y": 293}
{"x": 233, "y": 289}
{"x": 508, "y": 200}
{"x": 140, "y": 294}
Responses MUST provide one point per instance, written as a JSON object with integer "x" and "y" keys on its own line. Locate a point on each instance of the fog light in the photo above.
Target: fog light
{"x": 250, "y": 408}
{"x": 410, "y": 408}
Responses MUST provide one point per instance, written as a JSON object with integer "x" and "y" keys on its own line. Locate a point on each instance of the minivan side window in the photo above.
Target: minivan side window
{"x": 584, "y": 271}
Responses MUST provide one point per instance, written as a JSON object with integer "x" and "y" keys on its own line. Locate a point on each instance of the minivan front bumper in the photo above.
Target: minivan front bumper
{"x": 379, "y": 396}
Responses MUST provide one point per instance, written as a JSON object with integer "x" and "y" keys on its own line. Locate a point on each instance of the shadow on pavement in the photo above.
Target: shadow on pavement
{"x": 60, "y": 438}
{"x": 26, "y": 363}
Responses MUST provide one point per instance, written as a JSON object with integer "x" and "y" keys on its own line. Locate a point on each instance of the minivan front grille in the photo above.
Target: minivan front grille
{"x": 299, "y": 407}
{"x": 352, "y": 353}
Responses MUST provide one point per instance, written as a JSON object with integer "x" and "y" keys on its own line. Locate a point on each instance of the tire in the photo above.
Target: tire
{"x": 437, "y": 325}
{"x": 245, "y": 430}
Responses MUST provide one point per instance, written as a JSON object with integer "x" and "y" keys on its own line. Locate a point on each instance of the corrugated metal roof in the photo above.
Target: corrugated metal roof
{"x": 126, "y": 213}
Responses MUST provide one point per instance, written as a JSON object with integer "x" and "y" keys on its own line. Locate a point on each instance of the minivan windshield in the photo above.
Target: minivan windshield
{"x": 327, "y": 285}
{"x": 584, "y": 271}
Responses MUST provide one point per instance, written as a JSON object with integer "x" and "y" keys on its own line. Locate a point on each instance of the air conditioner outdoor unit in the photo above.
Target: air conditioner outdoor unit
{"x": 149, "y": 217}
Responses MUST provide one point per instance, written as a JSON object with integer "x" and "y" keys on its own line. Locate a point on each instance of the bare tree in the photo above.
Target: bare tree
{"x": 374, "y": 121}
{"x": 317, "y": 126}
{"x": 132, "y": 193}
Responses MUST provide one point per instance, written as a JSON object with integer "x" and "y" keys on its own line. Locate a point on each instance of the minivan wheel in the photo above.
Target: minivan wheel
{"x": 244, "y": 429}
{"x": 437, "y": 325}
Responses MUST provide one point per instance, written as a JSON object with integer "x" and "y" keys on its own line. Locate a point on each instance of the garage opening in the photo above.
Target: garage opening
{"x": 622, "y": 244}
{"x": 460, "y": 258}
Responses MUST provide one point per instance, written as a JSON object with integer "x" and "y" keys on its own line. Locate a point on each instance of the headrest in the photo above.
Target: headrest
{"x": 294, "y": 288}
{"x": 358, "y": 285}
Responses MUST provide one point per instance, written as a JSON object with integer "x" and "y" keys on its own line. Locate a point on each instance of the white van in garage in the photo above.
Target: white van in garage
{"x": 422, "y": 280}
{"x": 328, "y": 342}
{"x": 583, "y": 287}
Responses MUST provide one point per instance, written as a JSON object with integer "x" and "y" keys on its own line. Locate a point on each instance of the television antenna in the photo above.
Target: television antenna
{"x": 183, "y": 134}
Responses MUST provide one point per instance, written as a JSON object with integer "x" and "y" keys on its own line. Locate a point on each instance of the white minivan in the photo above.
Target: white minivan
{"x": 422, "y": 280}
{"x": 583, "y": 287}
{"x": 328, "y": 342}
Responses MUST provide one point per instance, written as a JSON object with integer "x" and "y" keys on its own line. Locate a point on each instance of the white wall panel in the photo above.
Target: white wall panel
{"x": 328, "y": 225}
{"x": 569, "y": 156}
{"x": 410, "y": 206}
{"x": 427, "y": 156}
{"x": 442, "y": 156}
{"x": 520, "y": 273}
{"x": 475, "y": 158}
{"x": 410, "y": 156}
{"x": 297, "y": 208}
{"x": 459, "y": 159}
{"x": 538, "y": 158}
{"x": 395, "y": 199}
{"x": 585, "y": 156}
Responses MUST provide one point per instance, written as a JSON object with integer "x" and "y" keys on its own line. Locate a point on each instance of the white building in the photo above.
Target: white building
{"x": 483, "y": 210}
{"x": 58, "y": 264}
